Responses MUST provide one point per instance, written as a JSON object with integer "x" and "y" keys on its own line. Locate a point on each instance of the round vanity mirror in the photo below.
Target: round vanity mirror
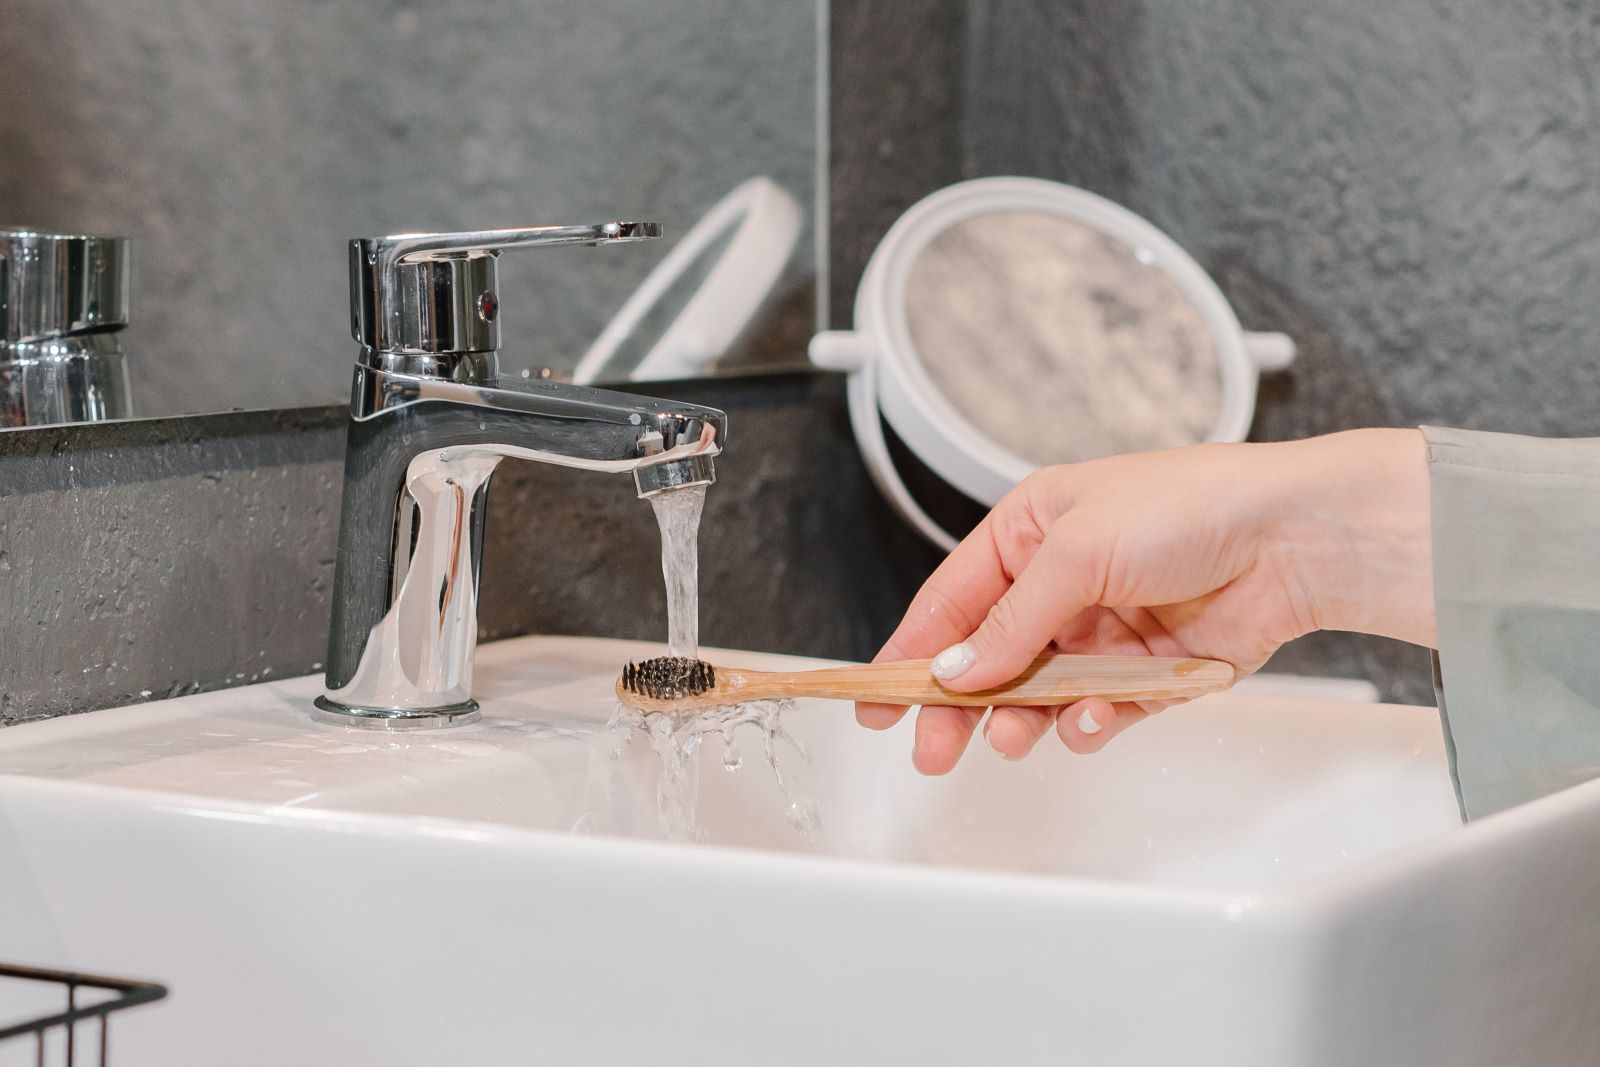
{"x": 1010, "y": 323}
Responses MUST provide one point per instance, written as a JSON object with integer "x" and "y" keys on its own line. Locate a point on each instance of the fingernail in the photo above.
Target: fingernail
{"x": 1087, "y": 724}
{"x": 953, "y": 662}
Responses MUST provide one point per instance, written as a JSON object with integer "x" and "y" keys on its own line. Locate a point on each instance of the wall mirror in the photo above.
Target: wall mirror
{"x": 240, "y": 146}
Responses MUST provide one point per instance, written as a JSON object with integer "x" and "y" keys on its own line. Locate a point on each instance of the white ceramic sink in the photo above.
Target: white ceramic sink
{"x": 1244, "y": 880}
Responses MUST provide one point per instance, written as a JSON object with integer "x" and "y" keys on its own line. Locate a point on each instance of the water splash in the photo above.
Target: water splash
{"x": 676, "y": 737}
{"x": 732, "y": 758}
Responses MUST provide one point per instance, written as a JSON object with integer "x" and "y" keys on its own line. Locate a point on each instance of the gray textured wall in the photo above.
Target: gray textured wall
{"x": 242, "y": 144}
{"x": 147, "y": 559}
{"x": 160, "y": 557}
{"x": 1411, "y": 187}
{"x": 896, "y": 101}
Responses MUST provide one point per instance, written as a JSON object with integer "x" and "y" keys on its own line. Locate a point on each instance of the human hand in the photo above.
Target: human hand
{"x": 1219, "y": 551}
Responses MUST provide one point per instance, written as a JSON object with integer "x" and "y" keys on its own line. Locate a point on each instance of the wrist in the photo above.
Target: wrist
{"x": 1354, "y": 521}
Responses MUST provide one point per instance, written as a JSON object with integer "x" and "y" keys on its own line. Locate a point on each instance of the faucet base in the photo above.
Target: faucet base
{"x": 331, "y": 711}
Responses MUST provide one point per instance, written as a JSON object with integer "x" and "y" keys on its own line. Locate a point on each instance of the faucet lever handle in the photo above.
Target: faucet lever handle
{"x": 436, "y": 294}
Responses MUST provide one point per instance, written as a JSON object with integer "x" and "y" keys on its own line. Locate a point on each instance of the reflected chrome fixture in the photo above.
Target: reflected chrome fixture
{"x": 431, "y": 418}
{"x": 63, "y": 298}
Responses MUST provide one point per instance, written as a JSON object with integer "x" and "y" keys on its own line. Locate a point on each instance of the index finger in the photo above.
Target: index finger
{"x": 948, "y": 608}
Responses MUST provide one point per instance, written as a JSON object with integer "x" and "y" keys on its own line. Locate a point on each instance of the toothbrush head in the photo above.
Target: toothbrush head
{"x": 667, "y": 678}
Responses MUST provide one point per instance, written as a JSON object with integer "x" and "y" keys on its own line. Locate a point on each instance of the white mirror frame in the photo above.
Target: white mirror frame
{"x": 884, "y": 372}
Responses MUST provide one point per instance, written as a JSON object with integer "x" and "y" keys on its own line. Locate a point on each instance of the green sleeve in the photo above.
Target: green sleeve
{"x": 1516, "y": 562}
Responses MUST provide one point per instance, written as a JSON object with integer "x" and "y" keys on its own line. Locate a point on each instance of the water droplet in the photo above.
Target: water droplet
{"x": 805, "y": 818}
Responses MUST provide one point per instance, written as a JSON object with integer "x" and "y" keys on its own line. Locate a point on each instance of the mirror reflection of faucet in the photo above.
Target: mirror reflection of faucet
{"x": 63, "y": 303}
{"x": 431, "y": 419}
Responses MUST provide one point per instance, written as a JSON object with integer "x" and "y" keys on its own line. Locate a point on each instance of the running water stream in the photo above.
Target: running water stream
{"x": 678, "y": 516}
{"x": 675, "y": 737}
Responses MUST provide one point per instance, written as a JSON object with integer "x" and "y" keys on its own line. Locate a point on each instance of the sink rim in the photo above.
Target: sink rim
{"x": 1293, "y": 897}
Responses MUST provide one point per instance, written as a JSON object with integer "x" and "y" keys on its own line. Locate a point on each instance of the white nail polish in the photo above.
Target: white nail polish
{"x": 953, "y": 662}
{"x": 1087, "y": 724}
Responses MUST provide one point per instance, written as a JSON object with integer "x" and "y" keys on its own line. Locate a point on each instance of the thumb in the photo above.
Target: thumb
{"x": 1063, "y": 579}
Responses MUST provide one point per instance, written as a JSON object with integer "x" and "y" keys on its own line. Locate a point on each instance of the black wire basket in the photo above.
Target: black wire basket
{"x": 57, "y": 1035}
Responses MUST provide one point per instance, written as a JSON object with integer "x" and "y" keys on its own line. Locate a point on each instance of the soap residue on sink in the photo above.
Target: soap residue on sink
{"x": 675, "y": 738}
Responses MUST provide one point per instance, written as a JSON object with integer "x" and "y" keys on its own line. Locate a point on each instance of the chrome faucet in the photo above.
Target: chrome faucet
{"x": 431, "y": 418}
{"x": 63, "y": 299}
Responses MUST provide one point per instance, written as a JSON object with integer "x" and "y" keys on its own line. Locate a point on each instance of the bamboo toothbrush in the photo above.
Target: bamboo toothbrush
{"x": 672, "y": 683}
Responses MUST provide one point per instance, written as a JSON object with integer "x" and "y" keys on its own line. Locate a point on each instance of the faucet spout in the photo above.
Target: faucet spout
{"x": 421, "y": 452}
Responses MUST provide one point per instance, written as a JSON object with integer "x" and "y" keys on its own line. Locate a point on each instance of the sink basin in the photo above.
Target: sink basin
{"x": 1242, "y": 880}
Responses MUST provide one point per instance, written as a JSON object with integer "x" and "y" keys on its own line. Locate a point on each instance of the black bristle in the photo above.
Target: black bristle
{"x": 669, "y": 677}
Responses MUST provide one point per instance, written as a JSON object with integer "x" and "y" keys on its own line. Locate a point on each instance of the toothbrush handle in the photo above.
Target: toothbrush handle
{"x": 1053, "y": 678}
